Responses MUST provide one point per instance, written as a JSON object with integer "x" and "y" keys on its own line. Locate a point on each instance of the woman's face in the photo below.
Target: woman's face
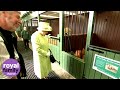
{"x": 45, "y": 32}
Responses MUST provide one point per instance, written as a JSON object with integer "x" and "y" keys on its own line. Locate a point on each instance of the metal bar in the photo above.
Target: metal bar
{"x": 69, "y": 41}
{"x": 69, "y": 22}
{"x": 66, "y": 34}
{"x": 65, "y": 37}
{"x": 114, "y": 51}
{"x": 93, "y": 49}
{"x": 79, "y": 20}
{"x": 83, "y": 30}
{"x": 72, "y": 24}
{"x": 53, "y": 37}
{"x": 75, "y": 29}
{"x": 75, "y": 23}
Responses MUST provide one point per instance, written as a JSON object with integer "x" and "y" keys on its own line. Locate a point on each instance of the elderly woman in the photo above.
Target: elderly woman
{"x": 41, "y": 53}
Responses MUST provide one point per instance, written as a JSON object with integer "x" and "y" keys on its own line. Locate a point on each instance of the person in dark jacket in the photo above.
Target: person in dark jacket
{"x": 26, "y": 37}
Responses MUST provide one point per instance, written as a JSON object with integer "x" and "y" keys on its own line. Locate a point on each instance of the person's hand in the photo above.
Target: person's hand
{"x": 18, "y": 38}
{"x": 48, "y": 54}
{"x": 21, "y": 39}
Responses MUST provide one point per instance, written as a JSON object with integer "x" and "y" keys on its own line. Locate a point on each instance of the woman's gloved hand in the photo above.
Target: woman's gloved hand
{"x": 48, "y": 54}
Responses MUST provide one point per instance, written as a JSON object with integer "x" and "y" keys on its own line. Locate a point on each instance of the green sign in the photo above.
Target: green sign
{"x": 107, "y": 66}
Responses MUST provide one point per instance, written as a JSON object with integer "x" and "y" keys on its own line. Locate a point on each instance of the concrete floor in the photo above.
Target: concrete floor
{"x": 61, "y": 72}
{"x": 27, "y": 55}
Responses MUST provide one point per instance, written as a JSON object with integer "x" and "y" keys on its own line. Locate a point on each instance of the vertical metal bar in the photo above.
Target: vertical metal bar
{"x": 83, "y": 30}
{"x": 72, "y": 30}
{"x": 79, "y": 29}
{"x": 69, "y": 36}
{"x": 75, "y": 23}
{"x": 75, "y": 34}
{"x": 68, "y": 22}
{"x": 64, "y": 31}
{"x": 79, "y": 16}
{"x": 82, "y": 33}
{"x": 84, "y": 25}
{"x": 65, "y": 36}
{"x": 72, "y": 24}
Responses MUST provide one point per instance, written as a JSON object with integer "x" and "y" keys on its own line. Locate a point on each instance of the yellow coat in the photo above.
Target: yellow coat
{"x": 40, "y": 47}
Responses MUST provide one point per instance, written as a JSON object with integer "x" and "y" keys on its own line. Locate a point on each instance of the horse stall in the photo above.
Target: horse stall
{"x": 104, "y": 40}
{"x": 79, "y": 36}
{"x": 71, "y": 56}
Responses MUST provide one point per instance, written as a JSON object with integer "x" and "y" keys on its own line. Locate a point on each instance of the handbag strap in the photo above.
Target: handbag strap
{"x": 50, "y": 52}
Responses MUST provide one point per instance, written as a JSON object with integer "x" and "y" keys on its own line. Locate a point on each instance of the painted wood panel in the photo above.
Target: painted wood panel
{"x": 55, "y": 51}
{"x": 72, "y": 65}
{"x": 112, "y": 56}
{"x": 107, "y": 30}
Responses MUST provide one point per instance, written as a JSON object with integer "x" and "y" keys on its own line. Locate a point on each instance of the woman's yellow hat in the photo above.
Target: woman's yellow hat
{"x": 44, "y": 26}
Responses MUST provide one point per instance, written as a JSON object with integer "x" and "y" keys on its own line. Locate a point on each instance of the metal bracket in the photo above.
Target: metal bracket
{"x": 93, "y": 49}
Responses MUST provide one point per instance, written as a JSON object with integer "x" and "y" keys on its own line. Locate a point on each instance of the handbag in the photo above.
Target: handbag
{"x": 52, "y": 59}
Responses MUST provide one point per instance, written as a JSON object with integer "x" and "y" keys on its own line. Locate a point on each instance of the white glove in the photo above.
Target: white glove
{"x": 48, "y": 54}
